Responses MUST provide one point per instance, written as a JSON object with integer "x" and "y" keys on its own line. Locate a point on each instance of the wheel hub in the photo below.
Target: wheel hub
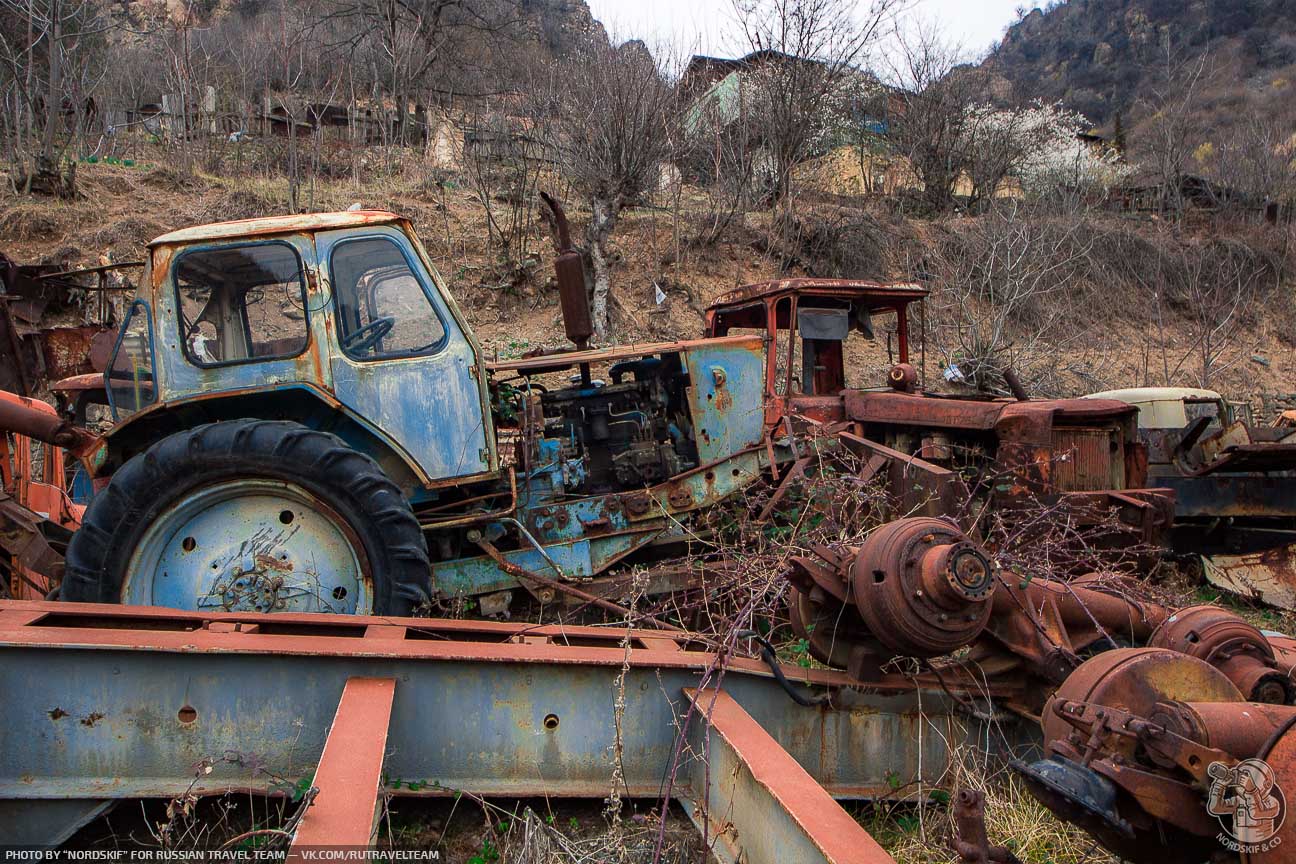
{"x": 252, "y": 590}
{"x": 250, "y": 546}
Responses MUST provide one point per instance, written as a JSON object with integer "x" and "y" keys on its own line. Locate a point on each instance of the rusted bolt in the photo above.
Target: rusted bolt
{"x": 638, "y": 504}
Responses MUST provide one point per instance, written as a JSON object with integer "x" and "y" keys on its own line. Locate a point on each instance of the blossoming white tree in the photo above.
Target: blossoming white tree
{"x": 1041, "y": 147}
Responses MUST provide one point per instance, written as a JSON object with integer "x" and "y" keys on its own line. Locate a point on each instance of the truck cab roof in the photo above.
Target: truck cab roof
{"x": 1140, "y": 395}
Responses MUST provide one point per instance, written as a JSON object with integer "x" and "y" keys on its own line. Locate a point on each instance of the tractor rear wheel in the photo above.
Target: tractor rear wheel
{"x": 251, "y": 516}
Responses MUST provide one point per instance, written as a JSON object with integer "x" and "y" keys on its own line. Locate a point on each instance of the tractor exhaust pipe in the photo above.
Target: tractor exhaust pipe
{"x": 569, "y": 267}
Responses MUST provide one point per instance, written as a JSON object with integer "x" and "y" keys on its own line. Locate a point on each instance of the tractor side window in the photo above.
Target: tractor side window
{"x": 383, "y": 310}
{"x": 871, "y": 348}
{"x": 241, "y": 303}
{"x": 784, "y": 353}
{"x": 130, "y": 366}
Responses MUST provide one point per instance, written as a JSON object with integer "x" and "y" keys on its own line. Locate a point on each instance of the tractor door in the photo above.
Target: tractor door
{"x": 400, "y": 358}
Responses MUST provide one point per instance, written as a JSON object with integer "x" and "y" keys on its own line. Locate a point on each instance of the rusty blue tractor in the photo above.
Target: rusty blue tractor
{"x": 305, "y": 422}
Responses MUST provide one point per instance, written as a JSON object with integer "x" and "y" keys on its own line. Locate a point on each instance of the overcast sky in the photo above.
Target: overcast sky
{"x": 706, "y": 26}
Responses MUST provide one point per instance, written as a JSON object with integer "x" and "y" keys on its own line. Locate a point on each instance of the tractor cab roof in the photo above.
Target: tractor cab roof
{"x": 271, "y": 225}
{"x": 873, "y": 294}
{"x": 747, "y": 306}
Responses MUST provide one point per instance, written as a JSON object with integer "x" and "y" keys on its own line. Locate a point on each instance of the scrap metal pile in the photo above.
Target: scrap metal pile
{"x": 302, "y": 422}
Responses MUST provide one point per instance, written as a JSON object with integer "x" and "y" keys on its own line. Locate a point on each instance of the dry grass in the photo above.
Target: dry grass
{"x": 1014, "y": 819}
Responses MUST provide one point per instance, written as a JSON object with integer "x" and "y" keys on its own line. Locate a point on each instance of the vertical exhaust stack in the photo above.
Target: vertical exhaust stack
{"x": 569, "y": 267}
{"x": 573, "y": 294}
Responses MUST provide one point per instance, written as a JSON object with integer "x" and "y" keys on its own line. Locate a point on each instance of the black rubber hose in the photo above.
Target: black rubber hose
{"x": 770, "y": 656}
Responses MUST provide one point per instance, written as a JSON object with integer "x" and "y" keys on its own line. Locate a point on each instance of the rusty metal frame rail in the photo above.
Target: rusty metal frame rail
{"x": 344, "y": 812}
{"x": 121, "y": 703}
{"x": 755, "y": 803}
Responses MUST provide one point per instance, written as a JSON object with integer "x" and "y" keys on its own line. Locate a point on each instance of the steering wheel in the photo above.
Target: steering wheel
{"x": 369, "y": 335}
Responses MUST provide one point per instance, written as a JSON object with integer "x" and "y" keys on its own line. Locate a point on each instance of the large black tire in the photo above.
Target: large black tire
{"x": 350, "y": 482}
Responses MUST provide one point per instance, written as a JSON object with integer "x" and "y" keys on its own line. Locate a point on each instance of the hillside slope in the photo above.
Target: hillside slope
{"x": 1109, "y": 57}
{"x": 1103, "y": 331}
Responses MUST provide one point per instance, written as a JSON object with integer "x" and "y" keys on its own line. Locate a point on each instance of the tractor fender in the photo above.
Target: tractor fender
{"x": 303, "y": 403}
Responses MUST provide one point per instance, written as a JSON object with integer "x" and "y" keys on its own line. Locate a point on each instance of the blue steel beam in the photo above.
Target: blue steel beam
{"x": 753, "y": 802}
{"x": 121, "y": 703}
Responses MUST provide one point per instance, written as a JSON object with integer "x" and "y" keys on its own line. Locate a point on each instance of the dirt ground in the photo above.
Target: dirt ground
{"x": 462, "y": 829}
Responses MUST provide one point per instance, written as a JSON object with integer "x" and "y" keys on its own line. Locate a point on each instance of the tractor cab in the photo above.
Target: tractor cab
{"x": 338, "y": 318}
{"x": 822, "y": 337}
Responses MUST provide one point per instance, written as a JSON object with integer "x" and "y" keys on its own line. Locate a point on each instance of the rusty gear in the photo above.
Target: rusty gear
{"x": 1137, "y": 680}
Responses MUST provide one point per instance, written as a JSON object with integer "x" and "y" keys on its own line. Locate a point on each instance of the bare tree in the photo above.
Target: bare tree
{"x": 803, "y": 53}
{"x": 503, "y": 168}
{"x": 609, "y": 117}
{"x": 1256, "y": 159}
{"x": 47, "y": 56}
{"x": 409, "y": 42}
{"x": 932, "y": 130}
{"x": 1167, "y": 140}
{"x": 1224, "y": 281}
{"x": 719, "y": 143}
{"x": 1011, "y": 301}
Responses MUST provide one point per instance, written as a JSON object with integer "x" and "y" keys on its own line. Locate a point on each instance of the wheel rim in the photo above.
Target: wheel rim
{"x": 250, "y": 546}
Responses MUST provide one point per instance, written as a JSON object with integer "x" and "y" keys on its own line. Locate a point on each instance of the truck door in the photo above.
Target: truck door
{"x": 399, "y": 356}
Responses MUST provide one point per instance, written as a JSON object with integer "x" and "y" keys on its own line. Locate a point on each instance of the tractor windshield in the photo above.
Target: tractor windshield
{"x": 383, "y": 309}
{"x": 241, "y": 303}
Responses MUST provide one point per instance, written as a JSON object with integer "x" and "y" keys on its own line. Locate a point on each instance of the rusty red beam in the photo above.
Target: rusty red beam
{"x": 345, "y": 807}
{"x": 756, "y": 803}
{"x": 153, "y": 628}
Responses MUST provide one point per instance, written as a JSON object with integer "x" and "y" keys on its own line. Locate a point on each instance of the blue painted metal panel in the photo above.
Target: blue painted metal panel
{"x": 180, "y": 378}
{"x": 703, "y": 487}
{"x": 108, "y": 724}
{"x": 577, "y": 559}
{"x": 575, "y": 519}
{"x": 431, "y": 405}
{"x": 726, "y": 397}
